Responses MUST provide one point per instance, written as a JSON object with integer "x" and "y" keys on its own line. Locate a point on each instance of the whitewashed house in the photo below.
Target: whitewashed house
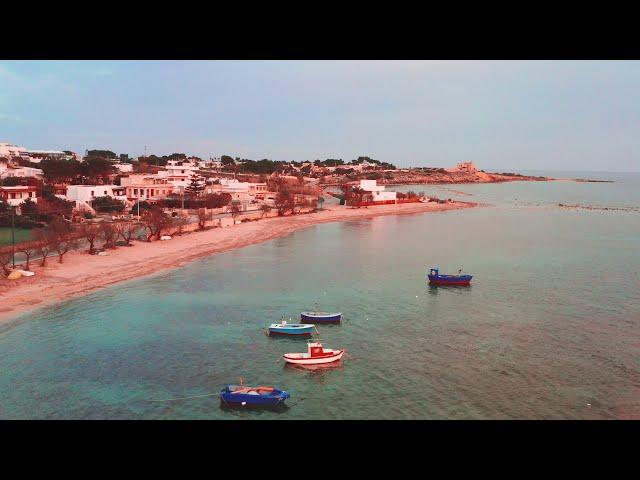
{"x": 14, "y": 196}
{"x": 378, "y": 192}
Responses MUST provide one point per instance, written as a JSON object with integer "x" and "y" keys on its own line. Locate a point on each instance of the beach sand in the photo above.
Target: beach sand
{"x": 81, "y": 273}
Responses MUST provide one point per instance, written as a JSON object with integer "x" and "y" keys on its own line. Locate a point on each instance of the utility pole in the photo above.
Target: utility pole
{"x": 13, "y": 237}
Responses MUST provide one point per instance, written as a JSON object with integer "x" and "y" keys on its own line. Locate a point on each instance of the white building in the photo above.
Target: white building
{"x": 177, "y": 168}
{"x": 14, "y": 196}
{"x": 12, "y": 151}
{"x": 9, "y": 171}
{"x": 377, "y": 191}
{"x": 36, "y": 156}
{"x": 87, "y": 193}
{"x": 123, "y": 167}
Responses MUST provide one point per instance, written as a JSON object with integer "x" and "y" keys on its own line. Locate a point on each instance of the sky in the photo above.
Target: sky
{"x": 502, "y": 115}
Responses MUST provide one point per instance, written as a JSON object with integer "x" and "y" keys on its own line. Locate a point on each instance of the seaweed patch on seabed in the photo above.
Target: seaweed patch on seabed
{"x": 592, "y": 207}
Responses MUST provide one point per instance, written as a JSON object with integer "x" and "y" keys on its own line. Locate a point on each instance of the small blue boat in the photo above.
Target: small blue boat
{"x": 320, "y": 317}
{"x": 436, "y": 279}
{"x": 244, "y": 396}
{"x": 296, "y": 329}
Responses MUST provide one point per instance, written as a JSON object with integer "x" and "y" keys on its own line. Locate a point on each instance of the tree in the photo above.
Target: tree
{"x": 58, "y": 170}
{"x": 265, "y": 209}
{"x": 283, "y": 202}
{"x": 44, "y": 239}
{"x": 357, "y": 195}
{"x": 60, "y": 237}
{"x": 202, "y": 218}
{"x": 217, "y": 200}
{"x": 90, "y": 232}
{"x": 178, "y": 223}
{"x": 155, "y": 221}
{"x": 347, "y": 193}
{"x": 235, "y": 209}
{"x": 109, "y": 234}
{"x": 96, "y": 167}
{"x": 107, "y": 204}
{"x": 101, "y": 154}
{"x": 28, "y": 249}
{"x": 6, "y": 256}
{"x": 29, "y": 207}
{"x": 196, "y": 187}
{"x": 142, "y": 205}
{"x": 126, "y": 230}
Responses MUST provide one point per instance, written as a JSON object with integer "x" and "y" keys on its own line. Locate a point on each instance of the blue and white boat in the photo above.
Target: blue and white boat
{"x": 296, "y": 329}
{"x": 244, "y": 396}
{"x": 436, "y": 278}
{"x": 320, "y": 317}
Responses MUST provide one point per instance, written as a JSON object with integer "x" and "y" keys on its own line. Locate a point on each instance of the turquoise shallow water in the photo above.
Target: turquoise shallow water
{"x": 550, "y": 328}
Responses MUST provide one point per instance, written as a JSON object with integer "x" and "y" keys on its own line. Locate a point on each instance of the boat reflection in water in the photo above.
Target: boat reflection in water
{"x": 315, "y": 368}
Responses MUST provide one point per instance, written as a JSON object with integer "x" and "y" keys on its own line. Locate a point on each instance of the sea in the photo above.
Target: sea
{"x": 548, "y": 329}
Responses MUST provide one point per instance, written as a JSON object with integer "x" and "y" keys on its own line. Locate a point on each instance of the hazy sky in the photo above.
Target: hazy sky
{"x": 562, "y": 115}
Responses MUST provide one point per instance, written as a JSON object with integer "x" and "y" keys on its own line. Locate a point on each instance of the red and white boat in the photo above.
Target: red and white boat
{"x": 314, "y": 355}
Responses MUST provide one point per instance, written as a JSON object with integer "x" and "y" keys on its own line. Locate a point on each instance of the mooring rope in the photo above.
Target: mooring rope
{"x": 186, "y": 398}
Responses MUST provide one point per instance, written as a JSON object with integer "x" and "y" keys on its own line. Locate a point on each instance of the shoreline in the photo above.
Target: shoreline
{"x": 81, "y": 274}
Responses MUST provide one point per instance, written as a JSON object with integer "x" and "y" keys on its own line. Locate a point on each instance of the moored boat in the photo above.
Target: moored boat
{"x": 291, "y": 329}
{"x": 436, "y": 278}
{"x": 320, "y": 317}
{"x": 315, "y": 355}
{"x": 242, "y": 395}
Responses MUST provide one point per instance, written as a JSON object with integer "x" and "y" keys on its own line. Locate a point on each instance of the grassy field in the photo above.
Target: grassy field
{"x": 21, "y": 235}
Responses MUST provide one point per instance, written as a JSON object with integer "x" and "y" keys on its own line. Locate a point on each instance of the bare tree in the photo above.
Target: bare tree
{"x": 179, "y": 223}
{"x": 90, "y": 232}
{"x": 44, "y": 239}
{"x": 63, "y": 244}
{"x": 283, "y": 201}
{"x": 155, "y": 221}
{"x": 202, "y": 218}
{"x": 357, "y": 195}
{"x": 28, "y": 249}
{"x": 265, "y": 209}
{"x": 235, "y": 209}
{"x": 109, "y": 234}
{"x": 347, "y": 193}
{"x": 126, "y": 230}
{"x": 6, "y": 254}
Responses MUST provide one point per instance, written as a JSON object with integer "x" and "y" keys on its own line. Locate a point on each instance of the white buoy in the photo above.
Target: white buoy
{"x": 244, "y": 403}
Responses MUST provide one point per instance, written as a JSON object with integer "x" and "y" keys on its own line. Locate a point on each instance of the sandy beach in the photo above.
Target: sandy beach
{"x": 81, "y": 273}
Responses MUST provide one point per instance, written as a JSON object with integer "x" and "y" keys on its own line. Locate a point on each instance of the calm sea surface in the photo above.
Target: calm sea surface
{"x": 550, "y": 328}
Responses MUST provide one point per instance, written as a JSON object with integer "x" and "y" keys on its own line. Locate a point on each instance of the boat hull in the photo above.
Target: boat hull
{"x": 285, "y": 332}
{"x": 458, "y": 280}
{"x": 327, "y": 318}
{"x": 314, "y": 361}
{"x": 242, "y": 399}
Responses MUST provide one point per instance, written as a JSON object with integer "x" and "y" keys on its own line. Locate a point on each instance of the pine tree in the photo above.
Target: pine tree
{"x": 196, "y": 187}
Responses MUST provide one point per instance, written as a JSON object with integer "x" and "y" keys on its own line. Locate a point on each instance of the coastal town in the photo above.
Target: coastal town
{"x": 58, "y": 206}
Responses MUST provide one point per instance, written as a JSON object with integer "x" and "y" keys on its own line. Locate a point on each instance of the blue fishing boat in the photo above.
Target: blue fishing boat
{"x": 295, "y": 329}
{"x": 436, "y": 279}
{"x": 244, "y": 396}
{"x": 320, "y": 317}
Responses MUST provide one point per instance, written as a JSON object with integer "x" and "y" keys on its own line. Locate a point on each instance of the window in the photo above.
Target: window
{"x": 92, "y": 193}
{"x": 105, "y": 192}
{"x": 135, "y": 192}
